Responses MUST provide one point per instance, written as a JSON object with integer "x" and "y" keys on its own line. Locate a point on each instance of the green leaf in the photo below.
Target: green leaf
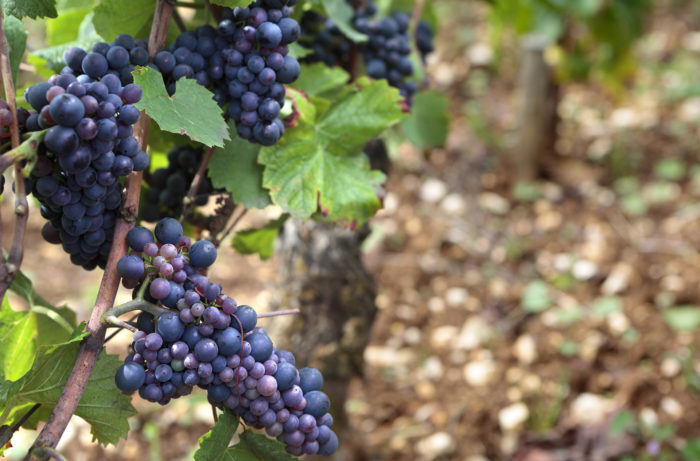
{"x": 691, "y": 450}
{"x": 213, "y": 444}
{"x": 607, "y": 305}
{"x": 317, "y": 79}
{"x": 17, "y": 337}
{"x": 260, "y": 241}
{"x": 87, "y": 36}
{"x": 683, "y": 318}
{"x": 62, "y": 29}
{"x": 17, "y": 38}
{"x": 231, "y": 3}
{"x": 114, "y": 17}
{"x": 234, "y": 167}
{"x": 536, "y": 297}
{"x": 66, "y": 5}
{"x": 428, "y": 123}
{"x": 102, "y": 405}
{"x": 319, "y": 162}
{"x": 31, "y": 8}
{"x": 254, "y": 447}
{"x": 622, "y": 422}
{"x": 297, "y": 51}
{"x": 191, "y": 111}
{"x": 360, "y": 116}
{"x": 341, "y": 13}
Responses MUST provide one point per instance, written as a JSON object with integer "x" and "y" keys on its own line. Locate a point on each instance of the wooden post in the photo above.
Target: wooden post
{"x": 538, "y": 112}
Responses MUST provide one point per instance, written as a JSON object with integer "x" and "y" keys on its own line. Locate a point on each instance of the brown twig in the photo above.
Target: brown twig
{"x": 278, "y": 313}
{"x": 178, "y": 20}
{"x": 9, "y": 270}
{"x": 233, "y": 225}
{"x": 416, "y": 15}
{"x": 194, "y": 187}
{"x": 91, "y": 347}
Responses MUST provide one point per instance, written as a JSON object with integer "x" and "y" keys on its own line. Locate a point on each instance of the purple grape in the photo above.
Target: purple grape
{"x": 159, "y": 289}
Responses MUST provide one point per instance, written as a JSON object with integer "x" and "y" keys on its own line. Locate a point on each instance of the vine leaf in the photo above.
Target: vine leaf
{"x": 231, "y": 3}
{"x": 213, "y": 444}
{"x": 260, "y": 241}
{"x": 30, "y": 8}
{"x": 235, "y": 168}
{"x": 86, "y": 37}
{"x": 254, "y": 447}
{"x": 191, "y": 111}
{"x": 320, "y": 163}
{"x": 114, "y": 17}
{"x": 17, "y": 336}
{"x": 102, "y": 405}
{"x": 17, "y": 38}
{"x": 318, "y": 79}
{"x": 428, "y": 123}
{"x": 341, "y": 13}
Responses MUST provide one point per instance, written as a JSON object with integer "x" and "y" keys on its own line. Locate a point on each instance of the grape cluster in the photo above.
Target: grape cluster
{"x": 209, "y": 341}
{"x": 167, "y": 187}
{"x": 387, "y": 53}
{"x": 424, "y": 39}
{"x": 87, "y": 147}
{"x": 244, "y": 62}
{"x": 326, "y": 42}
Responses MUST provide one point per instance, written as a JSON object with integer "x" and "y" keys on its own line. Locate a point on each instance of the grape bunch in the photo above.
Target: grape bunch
{"x": 167, "y": 187}
{"x": 325, "y": 40}
{"x": 209, "y": 341}
{"x": 118, "y": 58}
{"x": 244, "y": 62}
{"x": 424, "y": 39}
{"x": 387, "y": 53}
{"x": 87, "y": 147}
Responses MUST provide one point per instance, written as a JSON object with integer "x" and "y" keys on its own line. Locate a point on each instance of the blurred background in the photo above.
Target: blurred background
{"x": 537, "y": 279}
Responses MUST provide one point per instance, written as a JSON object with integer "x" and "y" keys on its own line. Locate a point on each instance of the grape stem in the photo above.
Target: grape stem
{"x": 278, "y": 313}
{"x": 92, "y": 345}
{"x": 194, "y": 187}
{"x": 135, "y": 305}
{"x": 230, "y": 228}
{"x": 25, "y": 151}
{"x": 9, "y": 269}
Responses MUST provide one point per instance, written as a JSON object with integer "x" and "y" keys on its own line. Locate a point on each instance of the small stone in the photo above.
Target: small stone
{"x": 670, "y": 367}
{"x": 436, "y": 304}
{"x": 525, "y": 349}
{"x": 433, "y": 368}
{"x": 456, "y": 296}
{"x": 433, "y": 190}
{"x": 480, "y": 54}
{"x": 648, "y": 417}
{"x": 513, "y": 417}
{"x": 590, "y": 409}
{"x": 584, "y": 270}
{"x": 493, "y": 203}
{"x": 412, "y": 336}
{"x": 474, "y": 332}
{"x": 479, "y": 373}
{"x": 436, "y": 445}
{"x": 453, "y": 204}
{"x": 618, "y": 323}
{"x": 672, "y": 407}
{"x": 388, "y": 357}
{"x": 618, "y": 280}
{"x": 443, "y": 337}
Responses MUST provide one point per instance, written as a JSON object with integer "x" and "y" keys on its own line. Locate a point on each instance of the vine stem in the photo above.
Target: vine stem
{"x": 9, "y": 270}
{"x": 230, "y": 228}
{"x": 196, "y": 181}
{"x": 416, "y": 15}
{"x": 92, "y": 345}
{"x": 25, "y": 151}
{"x": 278, "y": 313}
{"x": 135, "y": 305}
